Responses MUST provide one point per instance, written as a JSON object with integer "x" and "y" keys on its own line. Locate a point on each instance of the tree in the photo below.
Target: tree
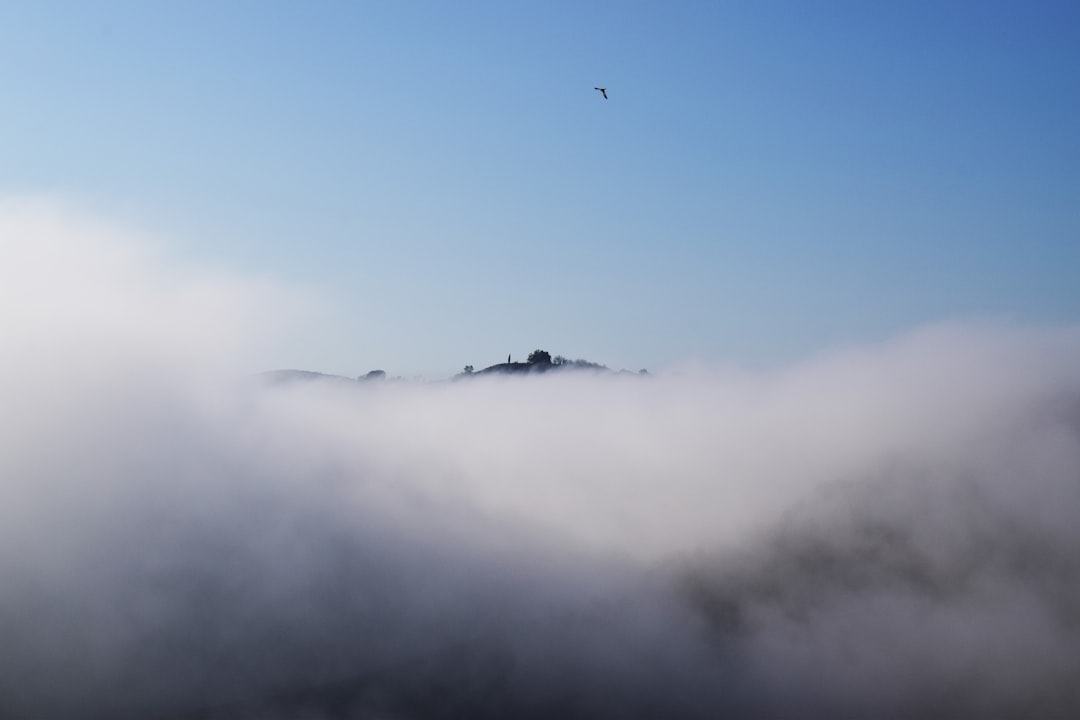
{"x": 539, "y": 357}
{"x": 468, "y": 369}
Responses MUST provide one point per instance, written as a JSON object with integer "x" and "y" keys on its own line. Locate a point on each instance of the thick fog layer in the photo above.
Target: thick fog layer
{"x": 885, "y": 531}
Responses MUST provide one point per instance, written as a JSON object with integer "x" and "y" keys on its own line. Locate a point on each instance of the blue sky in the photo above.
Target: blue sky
{"x": 767, "y": 179}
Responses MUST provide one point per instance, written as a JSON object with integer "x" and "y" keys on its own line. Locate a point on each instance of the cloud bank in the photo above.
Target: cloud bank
{"x": 881, "y": 531}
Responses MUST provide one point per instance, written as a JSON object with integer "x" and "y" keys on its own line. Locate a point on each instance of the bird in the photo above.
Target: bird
{"x": 603, "y": 91}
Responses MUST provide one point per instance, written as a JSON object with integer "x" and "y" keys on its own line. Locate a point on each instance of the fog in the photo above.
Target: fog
{"x": 886, "y": 530}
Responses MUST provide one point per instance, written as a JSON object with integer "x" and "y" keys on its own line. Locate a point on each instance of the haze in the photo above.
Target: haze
{"x": 883, "y": 530}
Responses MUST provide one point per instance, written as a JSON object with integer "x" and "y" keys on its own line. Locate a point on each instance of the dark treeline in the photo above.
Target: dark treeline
{"x": 540, "y": 361}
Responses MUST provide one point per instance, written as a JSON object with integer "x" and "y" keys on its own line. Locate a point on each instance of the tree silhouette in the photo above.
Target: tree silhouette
{"x": 539, "y": 357}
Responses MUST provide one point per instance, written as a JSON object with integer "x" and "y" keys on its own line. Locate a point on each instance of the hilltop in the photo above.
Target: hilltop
{"x": 538, "y": 361}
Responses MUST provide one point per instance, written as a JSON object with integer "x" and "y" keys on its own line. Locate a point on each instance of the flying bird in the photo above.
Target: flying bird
{"x": 603, "y": 91}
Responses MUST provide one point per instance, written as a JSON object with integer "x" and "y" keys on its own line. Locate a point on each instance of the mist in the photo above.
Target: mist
{"x": 886, "y": 530}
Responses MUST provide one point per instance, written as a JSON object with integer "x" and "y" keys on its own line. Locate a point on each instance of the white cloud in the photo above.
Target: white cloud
{"x": 886, "y": 530}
